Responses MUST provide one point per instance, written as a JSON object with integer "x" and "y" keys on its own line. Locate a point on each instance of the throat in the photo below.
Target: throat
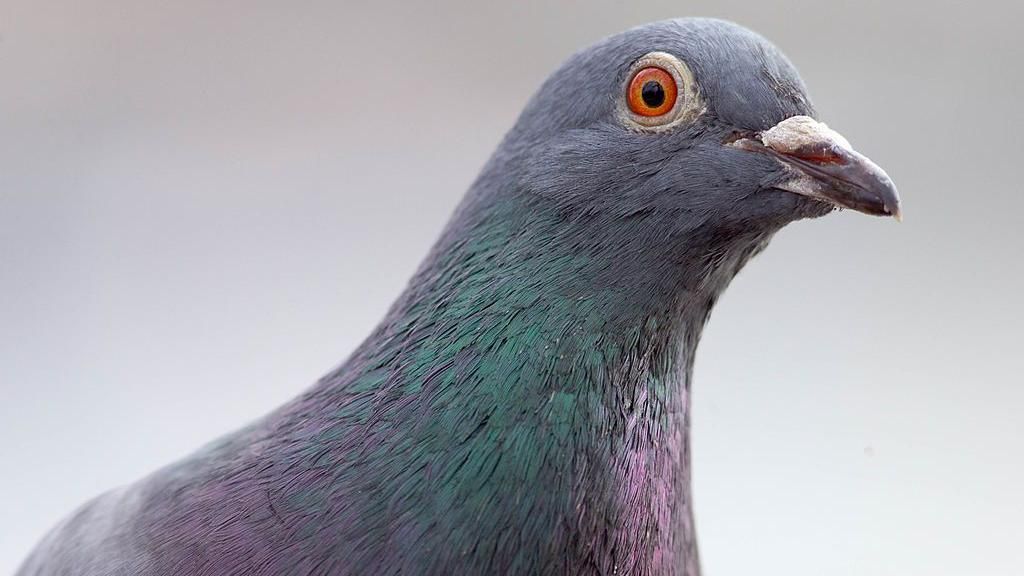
{"x": 635, "y": 491}
{"x": 554, "y": 426}
{"x": 524, "y": 407}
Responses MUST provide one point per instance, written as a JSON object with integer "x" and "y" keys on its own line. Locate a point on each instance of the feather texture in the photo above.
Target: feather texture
{"x": 524, "y": 406}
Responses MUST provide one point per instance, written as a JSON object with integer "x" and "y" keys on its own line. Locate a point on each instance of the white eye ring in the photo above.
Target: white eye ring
{"x": 688, "y": 104}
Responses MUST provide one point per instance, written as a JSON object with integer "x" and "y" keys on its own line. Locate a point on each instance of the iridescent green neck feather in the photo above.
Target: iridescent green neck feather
{"x": 525, "y": 403}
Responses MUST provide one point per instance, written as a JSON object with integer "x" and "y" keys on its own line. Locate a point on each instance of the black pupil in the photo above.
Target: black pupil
{"x": 653, "y": 93}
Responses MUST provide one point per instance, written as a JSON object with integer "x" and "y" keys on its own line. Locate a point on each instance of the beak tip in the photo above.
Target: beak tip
{"x": 892, "y": 203}
{"x": 897, "y": 213}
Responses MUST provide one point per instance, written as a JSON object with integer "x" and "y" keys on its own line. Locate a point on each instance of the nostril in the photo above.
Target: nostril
{"x": 818, "y": 153}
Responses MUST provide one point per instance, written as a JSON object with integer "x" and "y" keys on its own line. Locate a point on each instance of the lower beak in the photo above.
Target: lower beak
{"x": 820, "y": 163}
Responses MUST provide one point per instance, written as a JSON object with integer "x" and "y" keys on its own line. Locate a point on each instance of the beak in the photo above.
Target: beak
{"x": 820, "y": 163}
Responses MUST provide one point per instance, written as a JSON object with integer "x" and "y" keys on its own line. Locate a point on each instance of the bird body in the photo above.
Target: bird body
{"x": 524, "y": 406}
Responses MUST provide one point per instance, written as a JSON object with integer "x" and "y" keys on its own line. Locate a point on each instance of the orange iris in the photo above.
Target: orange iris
{"x": 652, "y": 92}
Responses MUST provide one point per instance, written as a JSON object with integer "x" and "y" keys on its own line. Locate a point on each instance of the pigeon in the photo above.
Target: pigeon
{"x": 524, "y": 406}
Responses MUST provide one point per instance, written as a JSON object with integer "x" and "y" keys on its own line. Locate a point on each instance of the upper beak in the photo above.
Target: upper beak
{"x": 820, "y": 163}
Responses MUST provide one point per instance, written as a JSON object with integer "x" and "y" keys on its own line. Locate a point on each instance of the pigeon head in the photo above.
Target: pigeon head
{"x": 696, "y": 131}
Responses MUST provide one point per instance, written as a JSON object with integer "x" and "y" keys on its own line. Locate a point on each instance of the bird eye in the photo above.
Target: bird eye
{"x": 652, "y": 92}
{"x": 661, "y": 93}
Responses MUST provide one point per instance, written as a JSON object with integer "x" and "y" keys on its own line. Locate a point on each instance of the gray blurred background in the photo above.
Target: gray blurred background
{"x": 205, "y": 206}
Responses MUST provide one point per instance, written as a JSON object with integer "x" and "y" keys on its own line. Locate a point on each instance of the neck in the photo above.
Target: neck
{"x": 531, "y": 395}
